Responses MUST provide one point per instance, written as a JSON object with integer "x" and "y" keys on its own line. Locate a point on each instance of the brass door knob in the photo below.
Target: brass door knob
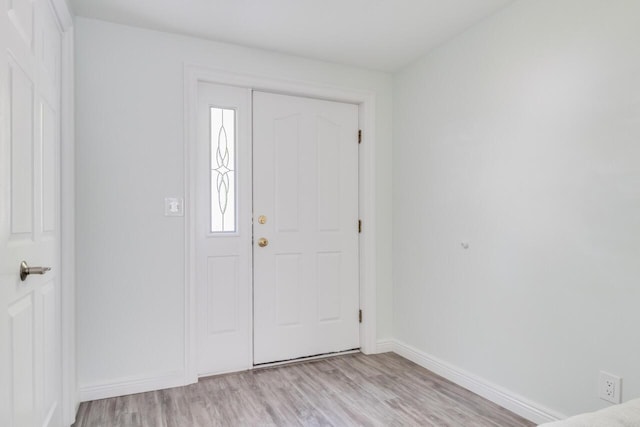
{"x": 262, "y": 242}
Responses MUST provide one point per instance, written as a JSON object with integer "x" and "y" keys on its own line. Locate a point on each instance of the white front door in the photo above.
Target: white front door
{"x": 30, "y": 334}
{"x": 305, "y": 194}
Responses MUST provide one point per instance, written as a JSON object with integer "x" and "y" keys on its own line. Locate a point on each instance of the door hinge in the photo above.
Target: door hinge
{"x": 359, "y": 316}
{"x": 359, "y": 226}
{"x": 359, "y": 136}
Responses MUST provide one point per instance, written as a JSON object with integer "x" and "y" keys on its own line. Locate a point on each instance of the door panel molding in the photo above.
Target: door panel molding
{"x": 366, "y": 100}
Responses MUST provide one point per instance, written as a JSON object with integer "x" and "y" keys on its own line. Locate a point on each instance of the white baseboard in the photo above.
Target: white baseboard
{"x": 132, "y": 385}
{"x": 496, "y": 394}
{"x": 384, "y": 346}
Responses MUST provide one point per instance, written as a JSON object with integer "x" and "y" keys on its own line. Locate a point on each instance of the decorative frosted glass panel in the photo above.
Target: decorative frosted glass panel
{"x": 223, "y": 174}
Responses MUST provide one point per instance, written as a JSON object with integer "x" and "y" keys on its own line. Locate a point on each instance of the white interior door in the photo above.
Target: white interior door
{"x": 305, "y": 192}
{"x": 30, "y": 334}
{"x": 223, "y": 229}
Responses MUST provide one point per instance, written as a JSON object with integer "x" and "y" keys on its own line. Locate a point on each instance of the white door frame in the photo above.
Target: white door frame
{"x": 366, "y": 103}
{"x": 70, "y": 397}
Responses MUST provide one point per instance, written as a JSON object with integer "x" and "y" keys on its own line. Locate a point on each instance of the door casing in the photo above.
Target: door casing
{"x": 70, "y": 396}
{"x": 194, "y": 74}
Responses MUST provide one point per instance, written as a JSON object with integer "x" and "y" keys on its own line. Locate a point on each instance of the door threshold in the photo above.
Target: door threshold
{"x": 305, "y": 358}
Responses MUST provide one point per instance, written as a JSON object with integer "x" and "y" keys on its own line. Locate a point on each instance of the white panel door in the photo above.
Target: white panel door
{"x": 223, "y": 229}
{"x": 305, "y": 191}
{"x": 30, "y": 334}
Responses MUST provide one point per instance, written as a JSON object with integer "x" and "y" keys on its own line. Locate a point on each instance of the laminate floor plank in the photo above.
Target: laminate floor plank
{"x": 383, "y": 390}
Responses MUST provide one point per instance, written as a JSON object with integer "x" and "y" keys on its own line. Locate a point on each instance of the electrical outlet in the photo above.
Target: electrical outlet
{"x": 610, "y": 387}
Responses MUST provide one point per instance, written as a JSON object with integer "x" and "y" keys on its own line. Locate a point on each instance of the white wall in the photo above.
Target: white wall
{"x": 130, "y": 156}
{"x": 522, "y": 137}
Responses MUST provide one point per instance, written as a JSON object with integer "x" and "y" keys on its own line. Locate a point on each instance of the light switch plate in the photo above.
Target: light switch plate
{"x": 173, "y": 206}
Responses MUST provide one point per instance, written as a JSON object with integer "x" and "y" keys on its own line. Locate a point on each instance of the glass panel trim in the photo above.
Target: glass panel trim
{"x": 223, "y": 173}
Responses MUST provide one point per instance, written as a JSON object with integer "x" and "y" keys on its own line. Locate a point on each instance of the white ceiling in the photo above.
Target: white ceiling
{"x": 377, "y": 34}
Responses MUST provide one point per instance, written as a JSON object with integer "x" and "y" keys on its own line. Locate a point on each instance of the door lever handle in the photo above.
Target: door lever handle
{"x": 25, "y": 270}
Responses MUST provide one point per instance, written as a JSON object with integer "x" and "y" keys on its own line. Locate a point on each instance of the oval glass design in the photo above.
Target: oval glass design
{"x": 223, "y": 170}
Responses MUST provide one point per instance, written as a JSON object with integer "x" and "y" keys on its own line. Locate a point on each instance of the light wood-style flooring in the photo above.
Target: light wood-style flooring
{"x": 351, "y": 390}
